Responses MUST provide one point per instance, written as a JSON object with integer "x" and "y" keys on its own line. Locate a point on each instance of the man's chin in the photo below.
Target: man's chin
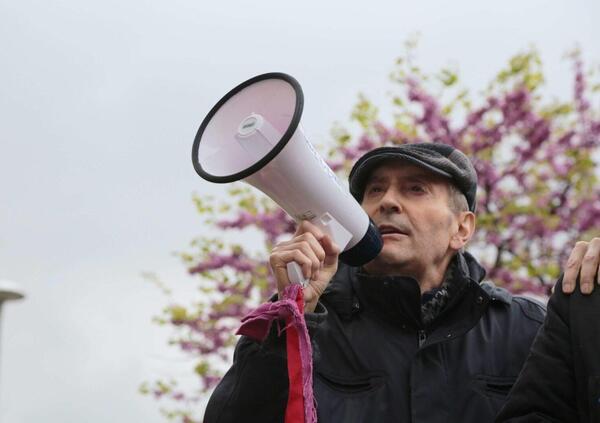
{"x": 387, "y": 258}
{"x": 392, "y": 251}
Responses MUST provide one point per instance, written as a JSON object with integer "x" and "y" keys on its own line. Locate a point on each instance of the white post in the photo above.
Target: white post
{"x": 8, "y": 291}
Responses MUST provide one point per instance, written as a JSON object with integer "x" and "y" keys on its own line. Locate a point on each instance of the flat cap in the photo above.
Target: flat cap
{"x": 441, "y": 159}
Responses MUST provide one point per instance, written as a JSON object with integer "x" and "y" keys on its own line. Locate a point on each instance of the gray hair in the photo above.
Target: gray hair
{"x": 457, "y": 200}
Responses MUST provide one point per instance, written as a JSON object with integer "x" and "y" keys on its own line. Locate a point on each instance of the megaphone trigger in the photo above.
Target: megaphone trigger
{"x": 328, "y": 224}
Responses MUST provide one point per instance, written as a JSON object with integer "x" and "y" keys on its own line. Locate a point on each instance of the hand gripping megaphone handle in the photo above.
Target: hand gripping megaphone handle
{"x": 295, "y": 275}
{"x": 331, "y": 227}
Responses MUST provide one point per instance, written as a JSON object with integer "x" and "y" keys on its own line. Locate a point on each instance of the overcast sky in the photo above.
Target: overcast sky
{"x": 99, "y": 105}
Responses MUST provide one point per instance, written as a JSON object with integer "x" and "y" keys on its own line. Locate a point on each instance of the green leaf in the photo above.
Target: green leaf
{"x": 178, "y": 313}
{"x": 364, "y": 112}
{"x": 448, "y": 77}
{"x": 202, "y": 368}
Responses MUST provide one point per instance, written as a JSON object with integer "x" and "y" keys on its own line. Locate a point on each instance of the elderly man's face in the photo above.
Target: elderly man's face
{"x": 410, "y": 205}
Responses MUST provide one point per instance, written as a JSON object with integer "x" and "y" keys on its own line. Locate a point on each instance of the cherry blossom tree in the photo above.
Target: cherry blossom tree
{"x": 538, "y": 194}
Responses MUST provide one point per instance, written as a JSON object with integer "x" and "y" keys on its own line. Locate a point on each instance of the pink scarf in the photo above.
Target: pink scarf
{"x": 256, "y": 325}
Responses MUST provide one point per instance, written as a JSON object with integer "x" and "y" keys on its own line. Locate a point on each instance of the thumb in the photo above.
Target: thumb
{"x": 332, "y": 251}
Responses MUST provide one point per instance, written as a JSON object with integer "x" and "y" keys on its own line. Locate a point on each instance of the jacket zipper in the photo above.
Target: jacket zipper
{"x": 422, "y": 337}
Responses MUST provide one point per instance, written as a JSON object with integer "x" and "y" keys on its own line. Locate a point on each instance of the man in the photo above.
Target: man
{"x": 560, "y": 381}
{"x": 414, "y": 335}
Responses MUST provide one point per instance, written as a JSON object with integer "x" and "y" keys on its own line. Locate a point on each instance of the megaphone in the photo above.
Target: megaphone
{"x": 253, "y": 134}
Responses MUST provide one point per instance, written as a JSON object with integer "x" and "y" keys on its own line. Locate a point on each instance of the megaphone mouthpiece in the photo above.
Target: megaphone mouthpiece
{"x": 257, "y": 136}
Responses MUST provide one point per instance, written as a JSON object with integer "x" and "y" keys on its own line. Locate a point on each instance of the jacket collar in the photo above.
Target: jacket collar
{"x": 496, "y": 294}
{"x": 394, "y": 299}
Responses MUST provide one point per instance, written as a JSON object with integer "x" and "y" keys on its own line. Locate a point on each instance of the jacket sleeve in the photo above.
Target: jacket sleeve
{"x": 255, "y": 388}
{"x": 545, "y": 389}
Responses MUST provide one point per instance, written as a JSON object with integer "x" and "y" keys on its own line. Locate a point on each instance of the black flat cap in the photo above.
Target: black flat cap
{"x": 441, "y": 159}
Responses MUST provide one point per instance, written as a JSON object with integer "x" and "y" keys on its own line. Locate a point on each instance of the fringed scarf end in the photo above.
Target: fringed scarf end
{"x": 257, "y": 324}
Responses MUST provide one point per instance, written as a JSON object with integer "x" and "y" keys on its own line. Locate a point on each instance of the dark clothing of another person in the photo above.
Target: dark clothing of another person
{"x": 560, "y": 381}
{"x": 382, "y": 355}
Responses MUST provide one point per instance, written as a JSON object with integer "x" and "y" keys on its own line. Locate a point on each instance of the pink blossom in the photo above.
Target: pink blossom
{"x": 274, "y": 223}
{"x": 217, "y": 261}
{"x": 434, "y": 123}
{"x": 538, "y": 133}
{"x": 579, "y": 90}
{"x": 588, "y": 214}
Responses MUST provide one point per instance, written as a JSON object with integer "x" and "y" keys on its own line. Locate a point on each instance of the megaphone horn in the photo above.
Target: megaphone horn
{"x": 253, "y": 134}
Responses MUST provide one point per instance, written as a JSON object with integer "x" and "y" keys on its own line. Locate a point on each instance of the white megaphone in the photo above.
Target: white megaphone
{"x": 253, "y": 134}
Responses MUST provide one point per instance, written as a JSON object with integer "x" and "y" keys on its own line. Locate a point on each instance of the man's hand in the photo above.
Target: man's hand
{"x": 585, "y": 257}
{"x": 316, "y": 254}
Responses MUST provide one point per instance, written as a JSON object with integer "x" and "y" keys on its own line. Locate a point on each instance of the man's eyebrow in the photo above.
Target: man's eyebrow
{"x": 374, "y": 179}
{"x": 418, "y": 177}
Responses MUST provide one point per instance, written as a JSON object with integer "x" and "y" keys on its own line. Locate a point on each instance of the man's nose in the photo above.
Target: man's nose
{"x": 390, "y": 203}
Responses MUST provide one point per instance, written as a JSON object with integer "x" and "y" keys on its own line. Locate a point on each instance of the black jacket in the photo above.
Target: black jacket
{"x": 376, "y": 362}
{"x": 560, "y": 381}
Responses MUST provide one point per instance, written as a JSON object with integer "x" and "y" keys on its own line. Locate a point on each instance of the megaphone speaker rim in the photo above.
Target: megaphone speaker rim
{"x": 295, "y": 121}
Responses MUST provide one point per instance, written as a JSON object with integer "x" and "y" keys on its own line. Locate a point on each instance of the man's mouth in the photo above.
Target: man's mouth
{"x": 392, "y": 230}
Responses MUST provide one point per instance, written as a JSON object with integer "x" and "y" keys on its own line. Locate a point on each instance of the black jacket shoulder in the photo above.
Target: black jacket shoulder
{"x": 560, "y": 381}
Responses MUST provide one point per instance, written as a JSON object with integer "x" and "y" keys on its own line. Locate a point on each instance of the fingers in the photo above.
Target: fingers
{"x": 305, "y": 249}
{"x": 325, "y": 241}
{"x": 316, "y": 254}
{"x": 314, "y": 290}
{"x": 308, "y": 255}
{"x": 331, "y": 249}
{"x": 306, "y": 227}
{"x": 589, "y": 266}
{"x": 279, "y": 263}
{"x": 585, "y": 262}
{"x": 572, "y": 267}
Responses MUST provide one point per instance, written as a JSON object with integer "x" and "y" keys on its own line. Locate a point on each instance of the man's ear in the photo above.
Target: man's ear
{"x": 464, "y": 231}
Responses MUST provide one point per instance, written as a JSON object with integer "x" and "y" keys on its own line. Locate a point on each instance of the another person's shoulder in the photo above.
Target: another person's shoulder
{"x": 520, "y": 308}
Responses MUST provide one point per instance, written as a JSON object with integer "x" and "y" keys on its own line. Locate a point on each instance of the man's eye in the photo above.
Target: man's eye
{"x": 417, "y": 188}
{"x": 375, "y": 189}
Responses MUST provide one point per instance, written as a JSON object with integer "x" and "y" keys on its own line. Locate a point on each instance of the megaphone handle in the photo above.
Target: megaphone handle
{"x": 295, "y": 275}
